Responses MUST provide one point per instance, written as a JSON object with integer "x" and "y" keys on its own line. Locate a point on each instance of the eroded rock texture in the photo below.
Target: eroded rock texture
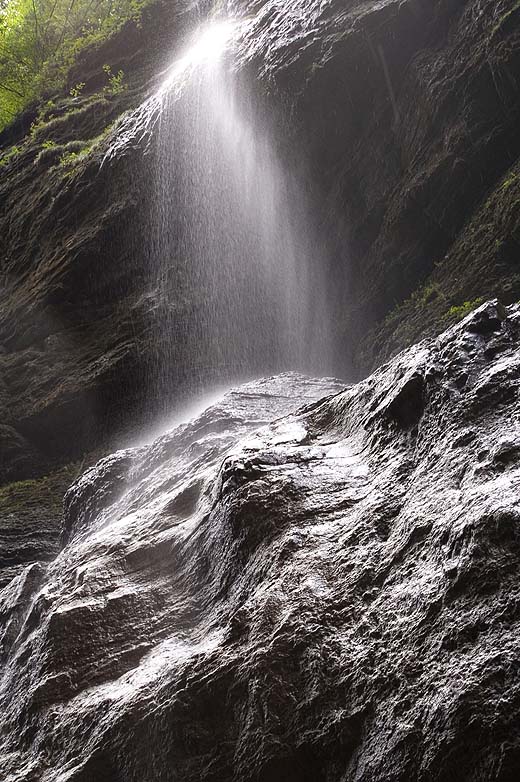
{"x": 329, "y": 596}
{"x": 407, "y": 112}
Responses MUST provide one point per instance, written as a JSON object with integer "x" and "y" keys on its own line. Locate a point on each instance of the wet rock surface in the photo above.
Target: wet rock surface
{"x": 263, "y": 594}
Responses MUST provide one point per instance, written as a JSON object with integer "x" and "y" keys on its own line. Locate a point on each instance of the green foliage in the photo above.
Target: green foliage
{"x": 51, "y": 122}
{"x": 40, "y": 39}
{"x": 460, "y": 312}
{"x": 7, "y": 156}
{"x": 116, "y": 83}
{"x": 76, "y": 152}
{"x": 78, "y": 89}
{"x": 47, "y": 492}
{"x": 509, "y": 182}
{"x": 421, "y": 299}
{"x": 52, "y": 153}
{"x": 428, "y": 293}
{"x": 69, "y": 159}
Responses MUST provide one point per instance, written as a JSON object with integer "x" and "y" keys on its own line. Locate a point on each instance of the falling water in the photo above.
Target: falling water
{"x": 236, "y": 268}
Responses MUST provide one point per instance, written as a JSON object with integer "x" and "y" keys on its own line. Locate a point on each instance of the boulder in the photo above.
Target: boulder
{"x": 305, "y": 582}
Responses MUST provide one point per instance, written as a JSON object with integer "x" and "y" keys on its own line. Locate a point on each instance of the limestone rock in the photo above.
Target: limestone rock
{"x": 265, "y": 593}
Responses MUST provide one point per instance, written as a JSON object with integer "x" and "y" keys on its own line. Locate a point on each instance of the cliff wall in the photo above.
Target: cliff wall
{"x": 408, "y": 115}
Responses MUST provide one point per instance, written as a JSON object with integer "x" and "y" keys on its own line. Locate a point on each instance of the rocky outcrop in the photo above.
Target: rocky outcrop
{"x": 329, "y": 595}
{"x": 408, "y": 113}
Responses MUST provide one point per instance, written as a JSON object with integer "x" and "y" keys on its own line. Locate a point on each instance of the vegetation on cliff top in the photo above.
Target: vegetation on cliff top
{"x": 40, "y": 39}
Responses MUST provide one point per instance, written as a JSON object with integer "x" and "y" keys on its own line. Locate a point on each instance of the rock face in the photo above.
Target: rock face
{"x": 74, "y": 316}
{"x": 31, "y": 519}
{"x": 263, "y": 594}
{"x": 408, "y": 111}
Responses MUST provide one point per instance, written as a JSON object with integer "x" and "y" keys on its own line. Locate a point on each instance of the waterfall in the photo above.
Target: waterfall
{"x": 234, "y": 261}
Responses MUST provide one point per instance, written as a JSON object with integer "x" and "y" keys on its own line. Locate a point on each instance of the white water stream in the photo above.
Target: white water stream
{"x": 236, "y": 267}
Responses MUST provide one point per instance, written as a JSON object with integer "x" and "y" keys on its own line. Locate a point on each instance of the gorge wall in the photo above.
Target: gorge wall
{"x": 310, "y": 579}
{"x": 407, "y": 113}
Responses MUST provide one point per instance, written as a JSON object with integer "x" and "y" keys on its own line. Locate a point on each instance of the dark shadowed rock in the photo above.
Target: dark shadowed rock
{"x": 260, "y": 594}
{"x": 31, "y": 514}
